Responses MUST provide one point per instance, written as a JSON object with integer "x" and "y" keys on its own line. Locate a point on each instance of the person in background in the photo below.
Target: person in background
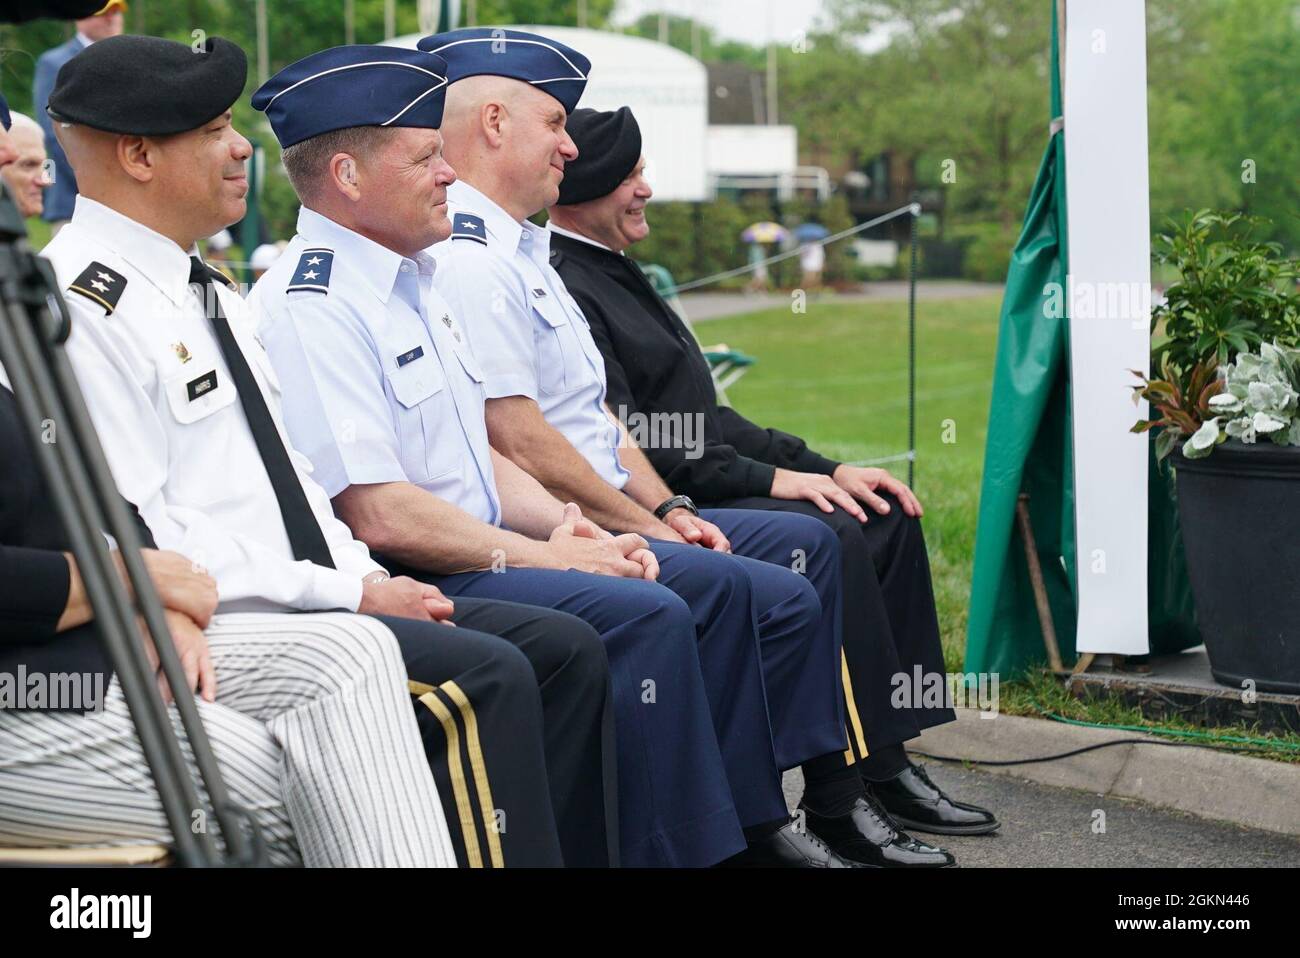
{"x": 263, "y": 258}
{"x": 760, "y": 281}
{"x": 218, "y": 250}
{"x": 812, "y": 260}
{"x": 107, "y": 22}
{"x": 25, "y": 176}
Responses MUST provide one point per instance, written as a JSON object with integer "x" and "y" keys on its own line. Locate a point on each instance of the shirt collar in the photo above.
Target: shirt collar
{"x": 580, "y": 238}
{"x": 155, "y": 256}
{"x": 85, "y": 40}
{"x": 378, "y": 267}
{"x": 503, "y": 228}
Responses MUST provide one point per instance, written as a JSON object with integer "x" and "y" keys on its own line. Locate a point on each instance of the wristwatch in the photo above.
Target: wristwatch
{"x": 676, "y": 502}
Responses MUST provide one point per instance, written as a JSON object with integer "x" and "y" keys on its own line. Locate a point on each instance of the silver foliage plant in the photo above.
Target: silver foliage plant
{"x": 1259, "y": 399}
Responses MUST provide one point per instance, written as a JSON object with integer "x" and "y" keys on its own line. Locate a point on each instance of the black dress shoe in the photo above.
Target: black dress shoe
{"x": 788, "y": 847}
{"x": 917, "y": 803}
{"x": 867, "y": 835}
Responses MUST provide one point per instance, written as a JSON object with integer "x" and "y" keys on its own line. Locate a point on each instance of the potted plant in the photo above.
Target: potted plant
{"x": 1227, "y": 394}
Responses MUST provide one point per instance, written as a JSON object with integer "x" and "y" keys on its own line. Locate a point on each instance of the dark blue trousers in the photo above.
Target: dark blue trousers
{"x": 675, "y": 804}
{"x": 802, "y": 686}
{"x": 778, "y": 701}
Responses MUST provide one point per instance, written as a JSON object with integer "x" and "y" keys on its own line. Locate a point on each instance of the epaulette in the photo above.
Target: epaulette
{"x": 312, "y": 273}
{"x": 467, "y": 226}
{"x": 101, "y": 285}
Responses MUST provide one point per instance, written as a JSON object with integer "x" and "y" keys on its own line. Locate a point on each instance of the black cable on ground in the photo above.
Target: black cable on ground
{"x": 1080, "y": 751}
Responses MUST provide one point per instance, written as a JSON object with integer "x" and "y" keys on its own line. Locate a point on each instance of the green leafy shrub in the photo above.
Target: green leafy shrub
{"x": 1232, "y": 295}
{"x": 1258, "y": 398}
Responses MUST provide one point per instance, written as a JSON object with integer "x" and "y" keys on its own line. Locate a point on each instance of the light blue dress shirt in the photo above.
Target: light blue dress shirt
{"x": 378, "y": 378}
{"x": 527, "y": 331}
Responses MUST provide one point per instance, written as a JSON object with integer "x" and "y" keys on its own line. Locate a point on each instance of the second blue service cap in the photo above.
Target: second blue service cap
{"x": 547, "y": 64}
{"x": 359, "y": 85}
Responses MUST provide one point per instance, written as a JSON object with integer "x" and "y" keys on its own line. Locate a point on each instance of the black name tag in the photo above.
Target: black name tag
{"x": 202, "y": 386}
{"x": 410, "y": 357}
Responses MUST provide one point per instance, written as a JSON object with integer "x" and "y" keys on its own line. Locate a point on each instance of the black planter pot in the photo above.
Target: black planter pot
{"x": 1240, "y": 512}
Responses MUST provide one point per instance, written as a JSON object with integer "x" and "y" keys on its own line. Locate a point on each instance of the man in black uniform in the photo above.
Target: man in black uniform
{"x": 656, "y": 371}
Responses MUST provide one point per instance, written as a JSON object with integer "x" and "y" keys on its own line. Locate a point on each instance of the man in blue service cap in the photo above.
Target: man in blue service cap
{"x": 509, "y": 97}
{"x": 384, "y": 394}
{"x": 187, "y": 406}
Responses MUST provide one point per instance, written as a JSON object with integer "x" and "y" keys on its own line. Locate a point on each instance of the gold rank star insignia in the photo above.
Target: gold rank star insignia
{"x": 182, "y": 353}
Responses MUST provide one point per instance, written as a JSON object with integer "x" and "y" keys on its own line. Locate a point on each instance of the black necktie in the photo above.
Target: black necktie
{"x": 300, "y": 523}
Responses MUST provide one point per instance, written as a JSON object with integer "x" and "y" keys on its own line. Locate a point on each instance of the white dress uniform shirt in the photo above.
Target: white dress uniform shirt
{"x": 172, "y": 426}
{"x": 379, "y": 381}
{"x": 528, "y": 333}
{"x": 580, "y": 238}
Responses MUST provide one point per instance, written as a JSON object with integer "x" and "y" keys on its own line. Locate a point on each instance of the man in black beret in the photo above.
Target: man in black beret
{"x": 654, "y": 367}
{"x": 188, "y": 409}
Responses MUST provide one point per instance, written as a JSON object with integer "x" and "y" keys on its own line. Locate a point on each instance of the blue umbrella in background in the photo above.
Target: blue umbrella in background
{"x": 810, "y": 232}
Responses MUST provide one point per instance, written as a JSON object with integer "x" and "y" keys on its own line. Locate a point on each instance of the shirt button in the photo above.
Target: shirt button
{"x": 406, "y": 268}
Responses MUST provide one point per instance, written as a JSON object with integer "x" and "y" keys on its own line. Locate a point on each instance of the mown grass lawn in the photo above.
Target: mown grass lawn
{"x": 837, "y": 375}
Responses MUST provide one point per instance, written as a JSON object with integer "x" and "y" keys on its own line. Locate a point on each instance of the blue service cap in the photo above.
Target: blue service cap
{"x": 359, "y": 85}
{"x": 493, "y": 51}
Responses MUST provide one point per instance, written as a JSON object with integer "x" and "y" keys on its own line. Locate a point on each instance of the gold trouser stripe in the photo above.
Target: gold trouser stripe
{"x": 853, "y": 708}
{"x": 456, "y": 771}
{"x": 479, "y": 767}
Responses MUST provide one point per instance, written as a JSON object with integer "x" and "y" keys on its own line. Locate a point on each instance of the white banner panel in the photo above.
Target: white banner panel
{"x": 1109, "y": 303}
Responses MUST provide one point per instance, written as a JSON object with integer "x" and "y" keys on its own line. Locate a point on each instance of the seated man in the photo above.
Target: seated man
{"x": 654, "y": 369}
{"x": 25, "y": 176}
{"x": 507, "y": 105}
{"x": 187, "y": 408}
{"x": 384, "y": 395}
{"x": 74, "y": 773}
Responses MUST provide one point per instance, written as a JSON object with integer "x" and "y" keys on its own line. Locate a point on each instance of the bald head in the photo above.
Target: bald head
{"x": 507, "y": 139}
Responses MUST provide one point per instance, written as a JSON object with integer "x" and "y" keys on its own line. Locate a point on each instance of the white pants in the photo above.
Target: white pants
{"x": 313, "y": 732}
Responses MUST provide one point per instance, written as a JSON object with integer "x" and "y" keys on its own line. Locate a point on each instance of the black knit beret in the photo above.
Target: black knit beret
{"x": 609, "y": 146}
{"x": 148, "y": 86}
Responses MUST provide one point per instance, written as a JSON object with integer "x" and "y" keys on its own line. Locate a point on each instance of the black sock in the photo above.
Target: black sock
{"x": 884, "y": 763}
{"x": 830, "y": 787}
{"x": 760, "y": 831}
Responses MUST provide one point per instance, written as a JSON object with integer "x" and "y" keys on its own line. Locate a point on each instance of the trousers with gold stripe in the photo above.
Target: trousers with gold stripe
{"x": 485, "y": 693}
{"x": 889, "y": 619}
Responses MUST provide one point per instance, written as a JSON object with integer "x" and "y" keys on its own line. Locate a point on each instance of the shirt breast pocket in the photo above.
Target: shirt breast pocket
{"x": 561, "y": 365}
{"x": 418, "y": 388}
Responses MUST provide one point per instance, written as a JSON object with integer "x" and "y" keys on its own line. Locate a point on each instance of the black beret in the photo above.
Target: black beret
{"x": 609, "y": 146}
{"x": 148, "y": 86}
